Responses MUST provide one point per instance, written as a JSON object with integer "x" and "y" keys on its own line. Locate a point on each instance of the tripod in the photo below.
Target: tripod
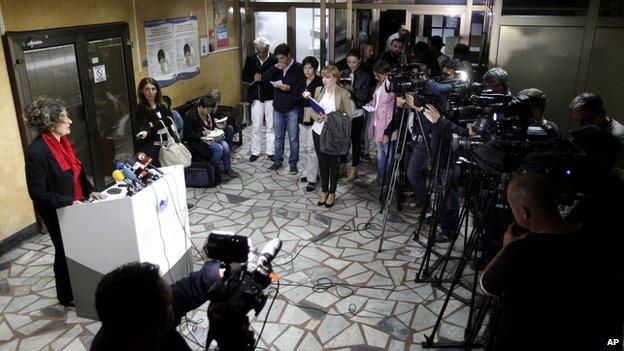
{"x": 479, "y": 306}
{"x": 396, "y": 155}
{"x": 439, "y": 188}
{"x": 230, "y": 328}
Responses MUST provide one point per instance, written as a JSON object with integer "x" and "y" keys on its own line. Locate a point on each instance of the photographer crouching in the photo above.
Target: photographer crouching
{"x": 559, "y": 291}
{"x": 140, "y": 311}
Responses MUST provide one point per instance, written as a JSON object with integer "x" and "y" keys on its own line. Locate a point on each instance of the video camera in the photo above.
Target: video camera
{"x": 248, "y": 272}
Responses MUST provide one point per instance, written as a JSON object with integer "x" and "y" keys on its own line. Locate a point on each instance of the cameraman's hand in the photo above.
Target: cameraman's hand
{"x": 471, "y": 131}
{"x": 432, "y": 113}
{"x": 510, "y": 235}
{"x": 284, "y": 87}
{"x": 385, "y": 139}
{"x": 409, "y": 100}
{"x": 400, "y": 101}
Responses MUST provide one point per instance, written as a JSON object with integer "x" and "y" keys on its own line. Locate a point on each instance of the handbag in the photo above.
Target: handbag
{"x": 201, "y": 175}
{"x": 173, "y": 153}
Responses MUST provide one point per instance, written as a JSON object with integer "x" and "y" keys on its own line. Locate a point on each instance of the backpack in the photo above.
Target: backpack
{"x": 201, "y": 175}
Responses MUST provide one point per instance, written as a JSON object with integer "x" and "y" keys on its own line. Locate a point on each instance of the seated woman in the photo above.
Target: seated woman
{"x": 200, "y": 124}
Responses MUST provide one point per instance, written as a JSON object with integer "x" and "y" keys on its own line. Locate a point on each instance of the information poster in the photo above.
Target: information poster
{"x": 172, "y": 49}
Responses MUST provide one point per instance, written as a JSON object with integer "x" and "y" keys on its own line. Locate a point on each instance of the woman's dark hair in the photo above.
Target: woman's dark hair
{"x": 158, "y": 100}
{"x": 161, "y": 55}
{"x": 167, "y": 101}
{"x": 134, "y": 304}
{"x": 355, "y": 53}
{"x": 381, "y": 67}
{"x": 312, "y": 61}
{"x": 43, "y": 114}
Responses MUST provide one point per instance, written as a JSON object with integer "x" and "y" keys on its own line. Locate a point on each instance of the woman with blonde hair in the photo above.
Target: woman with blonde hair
{"x": 331, "y": 97}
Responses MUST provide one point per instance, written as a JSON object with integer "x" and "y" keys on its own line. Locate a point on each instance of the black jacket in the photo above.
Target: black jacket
{"x": 48, "y": 186}
{"x": 303, "y": 103}
{"x": 145, "y": 116}
{"x": 188, "y": 294}
{"x": 360, "y": 92}
{"x": 261, "y": 91}
{"x": 193, "y": 128}
{"x": 284, "y": 101}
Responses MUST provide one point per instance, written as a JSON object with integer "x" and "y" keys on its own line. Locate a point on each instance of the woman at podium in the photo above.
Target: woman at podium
{"x": 55, "y": 178}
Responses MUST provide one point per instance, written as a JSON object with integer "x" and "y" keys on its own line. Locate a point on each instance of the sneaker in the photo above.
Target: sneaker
{"x": 271, "y": 157}
{"x": 304, "y": 179}
{"x": 365, "y": 158}
{"x": 253, "y": 158}
{"x": 311, "y": 187}
{"x": 293, "y": 170}
{"x": 275, "y": 167}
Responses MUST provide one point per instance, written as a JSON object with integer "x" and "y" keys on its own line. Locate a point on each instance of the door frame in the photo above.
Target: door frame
{"x": 79, "y": 36}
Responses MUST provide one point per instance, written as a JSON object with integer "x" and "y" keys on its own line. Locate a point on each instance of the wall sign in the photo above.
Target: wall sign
{"x": 172, "y": 49}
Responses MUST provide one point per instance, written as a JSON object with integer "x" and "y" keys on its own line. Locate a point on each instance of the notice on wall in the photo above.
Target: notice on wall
{"x": 222, "y": 38}
{"x": 172, "y": 49}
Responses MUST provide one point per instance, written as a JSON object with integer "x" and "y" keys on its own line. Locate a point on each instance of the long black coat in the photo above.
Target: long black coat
{"x": 48, "y": 186}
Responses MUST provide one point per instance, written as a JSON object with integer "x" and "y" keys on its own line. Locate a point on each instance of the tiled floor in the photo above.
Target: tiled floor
{"x": 380, "y": 308}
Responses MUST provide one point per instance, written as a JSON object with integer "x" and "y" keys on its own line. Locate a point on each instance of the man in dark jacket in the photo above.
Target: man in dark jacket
{"x": 284, "y": 75}
{"x": 140, "y": 311}
{"x": 260, "y": 97}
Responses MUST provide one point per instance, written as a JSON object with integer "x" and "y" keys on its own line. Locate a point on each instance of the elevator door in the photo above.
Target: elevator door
{"x": 53, "y": 72}
{"x": 90, "y": 70}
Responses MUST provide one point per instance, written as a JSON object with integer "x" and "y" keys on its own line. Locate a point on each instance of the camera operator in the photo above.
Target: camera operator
{"x": 496, "y": 80}
{"x": 589, "y": 109}
{"x": 140, "y": 311}
{"x": 544, "y": 306}
{"x": 537, "y": 100}
{"x": 393, "y": 56}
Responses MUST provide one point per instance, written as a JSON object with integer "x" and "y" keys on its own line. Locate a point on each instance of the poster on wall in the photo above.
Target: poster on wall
{"x": 172, "y": 49}
{"x": 220, "y": 38}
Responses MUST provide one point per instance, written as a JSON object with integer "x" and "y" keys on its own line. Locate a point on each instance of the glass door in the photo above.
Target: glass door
{"x": 271, "y": 25}
{"x": 110, "y": 94}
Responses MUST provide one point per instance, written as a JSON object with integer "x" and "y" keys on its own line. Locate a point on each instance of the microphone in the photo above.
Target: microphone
{"x": 120, "y": 177}
{"x": 141, "y": 172}
{"x": 128, "y": 173}
{"x": 146, "y": 161}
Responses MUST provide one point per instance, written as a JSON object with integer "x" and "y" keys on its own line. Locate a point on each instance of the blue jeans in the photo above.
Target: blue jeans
{"x": 416, "y": 172}
{"x": 221, "y": 152}
{"x": 229, "y": 134}
{"x": 382, "y": 153}
{"x": 281, "y": 122}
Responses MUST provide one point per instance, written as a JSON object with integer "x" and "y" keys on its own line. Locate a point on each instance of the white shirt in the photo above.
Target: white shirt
{"x": 328, "y": 103}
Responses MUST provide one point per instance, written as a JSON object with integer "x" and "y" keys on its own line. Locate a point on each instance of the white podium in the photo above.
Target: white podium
{"x": 150, "y": 226}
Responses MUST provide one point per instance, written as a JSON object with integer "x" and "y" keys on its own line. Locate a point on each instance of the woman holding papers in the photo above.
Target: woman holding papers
{"x": 381, "y": 109}
{"x": 55, "y": 178}
{"x": 328, "y": 98}
{"x": 308, "y": 86}
{"x": 155, "y": 120}
{"x": 206, "y": 141}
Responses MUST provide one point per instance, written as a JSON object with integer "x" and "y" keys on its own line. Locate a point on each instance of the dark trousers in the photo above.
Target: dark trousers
{"x": 416, "y": 172}
{"x": 329, "y": 166}
{"x": 61, "y": 273}
{"x": 450, "y": 210}
{"x": 357, "y": 124}
{"x": 153, "y": 151}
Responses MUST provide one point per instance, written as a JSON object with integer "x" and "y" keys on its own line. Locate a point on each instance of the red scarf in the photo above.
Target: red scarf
{"x": 65, "y": 155}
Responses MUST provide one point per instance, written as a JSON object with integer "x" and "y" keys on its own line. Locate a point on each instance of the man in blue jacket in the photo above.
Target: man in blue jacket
{"x": 284, "y": 75}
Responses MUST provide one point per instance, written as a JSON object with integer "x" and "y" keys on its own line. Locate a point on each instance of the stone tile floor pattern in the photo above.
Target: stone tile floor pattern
{"x": 381, "y": 308}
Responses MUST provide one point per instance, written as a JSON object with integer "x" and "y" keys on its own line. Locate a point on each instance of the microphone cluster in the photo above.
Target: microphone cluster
{"x": 136, "y": 173}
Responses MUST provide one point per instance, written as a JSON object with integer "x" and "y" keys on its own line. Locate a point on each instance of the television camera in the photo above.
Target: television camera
{"x": 248, "y": 272}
